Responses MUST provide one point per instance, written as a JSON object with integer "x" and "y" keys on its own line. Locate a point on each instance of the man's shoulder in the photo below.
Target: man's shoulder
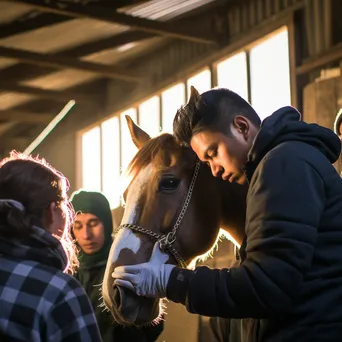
{"x": 297, "y": 151}
{"x": 298, "y": 156}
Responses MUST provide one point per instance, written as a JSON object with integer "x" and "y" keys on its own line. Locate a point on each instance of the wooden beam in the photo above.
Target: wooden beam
{"x": 38, "y": 21}
{"x": 103, "y": 14}
{"x": 60, "y": 62}
{"x": 108, "y": 43}
{"x": 329, "y": 56}
{"x": 63, "y": 96}
{"x": 12, "y": 115}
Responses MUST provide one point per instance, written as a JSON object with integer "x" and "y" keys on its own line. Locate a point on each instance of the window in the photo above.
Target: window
{"x": 128, "y": 149}
{"x": 172, "y": 99}
{"x": 91, "y": 159}
{"x": 201, "y": 81}
{"x": 149, "y": 116}
{"x": 107, "y": 149}
{"x": 111, "y": 161}
{"x": 232, "y": 74}
{"x": 270, "y": 74}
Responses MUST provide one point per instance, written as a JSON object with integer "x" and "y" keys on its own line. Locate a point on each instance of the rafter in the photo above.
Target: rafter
{"x": 47, "y": 94}
{"x": 41, "y": 20}
{"x": 102, "y": 14}
{"x": 60, "y": 62}
{"x": 36, "y": 20}
{"x": 108, "y": 43}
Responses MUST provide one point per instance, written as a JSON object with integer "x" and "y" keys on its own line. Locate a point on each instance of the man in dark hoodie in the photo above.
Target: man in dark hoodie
{"x": 92, "y": 230}
{"x": 288, "y": 286}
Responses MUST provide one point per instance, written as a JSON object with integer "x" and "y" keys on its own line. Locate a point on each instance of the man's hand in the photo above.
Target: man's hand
{"x": 149, "y": 279}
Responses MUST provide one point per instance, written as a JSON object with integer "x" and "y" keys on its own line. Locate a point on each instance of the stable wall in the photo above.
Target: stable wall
{"x": 322, "y": 99}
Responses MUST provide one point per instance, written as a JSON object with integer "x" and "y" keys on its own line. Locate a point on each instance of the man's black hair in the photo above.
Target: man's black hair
{"x": 213, "y": 110}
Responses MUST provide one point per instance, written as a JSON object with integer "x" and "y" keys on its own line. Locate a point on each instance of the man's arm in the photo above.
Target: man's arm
{"x": 285, "y": 203}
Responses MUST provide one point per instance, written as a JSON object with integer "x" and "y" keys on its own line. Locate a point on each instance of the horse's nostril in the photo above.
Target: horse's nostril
{"x": 117, "y": 297}
{"x": 124, "y": 304}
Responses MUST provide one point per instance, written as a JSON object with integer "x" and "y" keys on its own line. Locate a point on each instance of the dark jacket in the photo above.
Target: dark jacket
{"x": 91, "y": 279}
{"x": 38, "y": 302}
{"x": 290, "y": 281}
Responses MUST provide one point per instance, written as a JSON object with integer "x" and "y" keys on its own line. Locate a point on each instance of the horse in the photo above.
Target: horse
{"x": 172, "y": 198}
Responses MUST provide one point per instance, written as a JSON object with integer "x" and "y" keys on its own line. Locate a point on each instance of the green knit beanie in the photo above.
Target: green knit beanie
{"x": 94, "y": 203}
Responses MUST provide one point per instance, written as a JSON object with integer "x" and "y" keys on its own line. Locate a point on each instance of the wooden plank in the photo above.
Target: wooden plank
{"x": 11, "y": 115}
{"x": 47, "y": 94}
{"x": 108, "y": 43}
{"x": 329, "y": 56}
{"x": 102, "y": 14}
{"x": 38, "y": 21}
{"x": 60, "y": 62}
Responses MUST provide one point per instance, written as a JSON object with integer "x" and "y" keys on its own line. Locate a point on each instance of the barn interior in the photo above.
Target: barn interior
{"x": 140, "y": 57}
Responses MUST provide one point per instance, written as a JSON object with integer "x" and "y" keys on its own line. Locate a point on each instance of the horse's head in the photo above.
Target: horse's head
{"x": 173, "y": 198}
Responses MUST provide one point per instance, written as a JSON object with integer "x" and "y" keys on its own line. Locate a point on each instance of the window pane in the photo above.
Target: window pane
{"x": 111, "y": 161}
{"x": 91, "y": 159}
{"x": 270, "y": 74}
{"x": 232, "y": 74}
{"x": 149, "y": 119}
{"x": 201, "y": 81}
{"x": 128, "y": 149}
{"x": 172, "y": 99}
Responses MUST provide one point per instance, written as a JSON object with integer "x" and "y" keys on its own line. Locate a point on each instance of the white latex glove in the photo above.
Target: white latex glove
{"x": 149, "y": 279}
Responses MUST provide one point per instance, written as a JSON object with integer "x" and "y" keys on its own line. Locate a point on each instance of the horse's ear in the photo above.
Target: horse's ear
{"x": 138, "y": 135}
{"x": 194, "y": 95}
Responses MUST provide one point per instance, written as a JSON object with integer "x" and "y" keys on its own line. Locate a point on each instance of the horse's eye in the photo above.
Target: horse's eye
{"x": 168, "y": 184}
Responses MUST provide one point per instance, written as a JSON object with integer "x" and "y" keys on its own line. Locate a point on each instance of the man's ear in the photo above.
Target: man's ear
{"x": 241, "y": 124}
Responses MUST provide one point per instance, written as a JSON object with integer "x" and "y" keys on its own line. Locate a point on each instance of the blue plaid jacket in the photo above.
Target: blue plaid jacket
{"x": 38, "y": 302}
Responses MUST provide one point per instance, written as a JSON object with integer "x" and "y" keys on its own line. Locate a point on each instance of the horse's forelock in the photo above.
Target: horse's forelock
{"x": 163, "y": 143}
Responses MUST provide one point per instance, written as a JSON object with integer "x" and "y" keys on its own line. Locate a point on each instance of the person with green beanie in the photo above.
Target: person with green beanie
{"x": 92, "y": 231}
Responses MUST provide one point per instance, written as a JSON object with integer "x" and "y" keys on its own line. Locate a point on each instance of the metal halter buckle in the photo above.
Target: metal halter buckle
{"x": 167, "y": 240}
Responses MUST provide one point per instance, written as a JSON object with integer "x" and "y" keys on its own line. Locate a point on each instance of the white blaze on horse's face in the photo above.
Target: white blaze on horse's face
{"x": 125, "y": 238}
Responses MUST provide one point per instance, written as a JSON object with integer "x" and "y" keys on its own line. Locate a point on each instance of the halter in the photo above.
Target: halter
{"x": 166, "y": 241}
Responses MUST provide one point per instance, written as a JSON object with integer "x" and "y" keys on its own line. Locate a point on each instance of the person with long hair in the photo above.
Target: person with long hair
{"x": 39, "y": 300}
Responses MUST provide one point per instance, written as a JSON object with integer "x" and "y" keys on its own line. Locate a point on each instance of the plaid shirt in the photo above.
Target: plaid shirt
{"x": 38, "y": 302}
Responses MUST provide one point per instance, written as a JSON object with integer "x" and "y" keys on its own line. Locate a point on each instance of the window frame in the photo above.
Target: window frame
{"x": 243, "y": 44}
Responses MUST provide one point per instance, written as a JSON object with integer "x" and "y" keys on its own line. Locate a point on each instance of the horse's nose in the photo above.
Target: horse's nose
{"x": 125, "y": 304}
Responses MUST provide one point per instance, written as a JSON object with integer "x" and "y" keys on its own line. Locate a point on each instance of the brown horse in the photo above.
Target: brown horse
{"x": 174, "y": 199}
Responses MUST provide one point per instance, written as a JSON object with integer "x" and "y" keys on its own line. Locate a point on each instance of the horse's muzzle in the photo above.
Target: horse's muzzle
{"x": 129, "y": 309}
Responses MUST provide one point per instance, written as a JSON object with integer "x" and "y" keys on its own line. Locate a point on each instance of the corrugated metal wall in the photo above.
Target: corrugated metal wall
{"x": 176, "y": 59}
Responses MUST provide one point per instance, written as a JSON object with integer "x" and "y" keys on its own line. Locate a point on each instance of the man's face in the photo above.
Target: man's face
{"x": 226, "y": 155}
{"x": 89, "y": 233}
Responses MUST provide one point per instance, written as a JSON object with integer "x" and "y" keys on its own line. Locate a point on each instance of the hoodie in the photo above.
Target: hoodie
{"x": 92, "y": 269}
{"x": 289, "y": 282}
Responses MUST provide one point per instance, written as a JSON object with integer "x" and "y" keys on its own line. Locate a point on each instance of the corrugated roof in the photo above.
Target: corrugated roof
{"x": 77, "y": 32}
{"x": 165, "y": 9}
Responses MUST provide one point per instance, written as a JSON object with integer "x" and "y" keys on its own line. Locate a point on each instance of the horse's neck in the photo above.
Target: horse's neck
{"x": 233, "y": 212}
